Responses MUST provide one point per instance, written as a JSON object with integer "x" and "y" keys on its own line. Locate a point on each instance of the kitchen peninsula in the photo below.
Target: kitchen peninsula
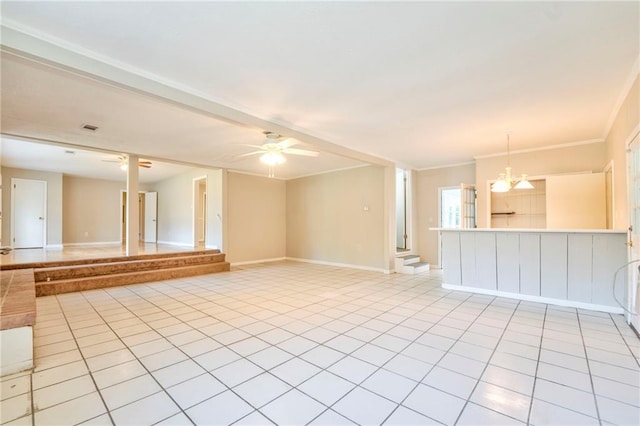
{"x": 563, "y": 267}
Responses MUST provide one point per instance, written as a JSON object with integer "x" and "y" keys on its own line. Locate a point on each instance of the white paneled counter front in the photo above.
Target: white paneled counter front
{"x": 565, "y": 267}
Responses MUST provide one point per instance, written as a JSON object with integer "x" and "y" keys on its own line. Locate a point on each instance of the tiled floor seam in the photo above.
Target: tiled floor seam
{"x": 378, "y": 368}
{"x": 637, "y": 334}
{"x": 195, "y": 361}
{"x": 535, "y": 378}
{"x": 586, "y": 355}
{"x": 143, "y": 366}
{"x": 419, "y": 296}
{"x": 108, "y": 412}
{"x": 487, "y": 365}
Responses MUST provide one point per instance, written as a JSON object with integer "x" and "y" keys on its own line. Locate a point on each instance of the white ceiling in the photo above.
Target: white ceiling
{"x": 420, "y": 83}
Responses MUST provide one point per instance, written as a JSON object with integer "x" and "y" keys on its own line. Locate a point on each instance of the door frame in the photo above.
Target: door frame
{"x": 13, "y": 210}
{"x": 123, "y": 216}
{"x": 632, "y": 305}
{"x": 197, "y": 203}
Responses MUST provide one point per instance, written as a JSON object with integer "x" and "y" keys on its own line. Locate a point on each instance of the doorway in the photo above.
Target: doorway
{"x": 632, "y": 295}
{"x": 403, "y": 209}
{"x": 200, "y": 212}
{"x": 457, "y": 209}
{"x": 28, "y": 213}
{"x": 147, "y": 217}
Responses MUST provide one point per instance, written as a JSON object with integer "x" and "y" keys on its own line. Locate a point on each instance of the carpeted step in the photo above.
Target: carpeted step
{"x": 71, "y": 262}
{"x": 48, "y": 288}
{"x": 123, "y": 266}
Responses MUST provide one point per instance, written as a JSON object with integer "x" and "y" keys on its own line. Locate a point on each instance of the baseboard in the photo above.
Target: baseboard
{"x": 54, "y": 247}
{"x": 214, "y": 247}
{"x": 538, "y": 299}
{"x": 173, "y": 243}
{"x": 96, "y": 243}
{"x": 254, "y": 262}
{"x": 341, "y": 265}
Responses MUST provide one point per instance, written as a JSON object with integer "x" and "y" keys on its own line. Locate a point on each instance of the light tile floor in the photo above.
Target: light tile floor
{"x": 292, "y": 343}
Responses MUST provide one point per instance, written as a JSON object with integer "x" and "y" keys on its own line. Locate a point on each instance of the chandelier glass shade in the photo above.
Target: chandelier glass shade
{"x": 505, "y": 182}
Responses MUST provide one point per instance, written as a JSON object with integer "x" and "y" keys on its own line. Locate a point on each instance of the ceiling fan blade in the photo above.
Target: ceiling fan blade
{"x": 303, "y": 152}
{"x": 286, "y": 143}
{"x": 146, "y": 166}
{"x": 249, "y": 153}
{"x": 144, "y": 162}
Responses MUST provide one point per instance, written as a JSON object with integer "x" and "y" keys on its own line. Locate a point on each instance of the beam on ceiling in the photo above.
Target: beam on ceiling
{"x": 86, "y": 64}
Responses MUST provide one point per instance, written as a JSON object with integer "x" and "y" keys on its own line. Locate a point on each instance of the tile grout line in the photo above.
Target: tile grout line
{"x": 535, "y": 377}
{"x": 207, "y": 372}
{"x": 137, "y": 359}
{"x": 358, "y": 385}
{"x": 486, "y": 365}
{"x": 625, "y": 341}
{"x": 332, "y": 311}
{"x": 586, "y": 356}
{"x": 85, "y": 363}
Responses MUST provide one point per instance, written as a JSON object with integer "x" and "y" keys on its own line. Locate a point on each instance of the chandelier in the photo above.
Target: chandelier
{"x": 505, "y": 182}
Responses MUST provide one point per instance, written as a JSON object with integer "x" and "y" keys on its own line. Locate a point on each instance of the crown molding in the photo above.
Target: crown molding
{"x": 447, "y": 166}
{"x": 542, "y": 148}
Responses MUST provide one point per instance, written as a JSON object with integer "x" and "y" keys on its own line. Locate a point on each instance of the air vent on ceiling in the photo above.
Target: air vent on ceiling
{"x": 90, "y": 127}
{"x": 67, "y": 151}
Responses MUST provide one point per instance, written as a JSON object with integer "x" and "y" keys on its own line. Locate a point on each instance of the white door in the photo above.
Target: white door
{"x": 28, "y": 208}
{"x": 150, "y": 217}
{"x": 632, "y": 295}
{"x": 468, "y": 206}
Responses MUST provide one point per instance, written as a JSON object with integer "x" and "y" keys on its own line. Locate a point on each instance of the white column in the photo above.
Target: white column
{"x": 133, "y": 209}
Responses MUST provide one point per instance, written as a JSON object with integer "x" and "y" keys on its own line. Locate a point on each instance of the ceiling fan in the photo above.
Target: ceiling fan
{"x": 273, "y": 149}
{"x": 124, "y": 162}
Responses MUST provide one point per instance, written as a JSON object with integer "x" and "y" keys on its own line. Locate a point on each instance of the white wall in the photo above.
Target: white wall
{"x": 256, "y": 218}
{"x": 340, "y": 217}
{"x": 91, "y": 210}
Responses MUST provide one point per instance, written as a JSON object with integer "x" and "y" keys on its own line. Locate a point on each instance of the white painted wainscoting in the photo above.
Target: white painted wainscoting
{"x": 564, "y": 267}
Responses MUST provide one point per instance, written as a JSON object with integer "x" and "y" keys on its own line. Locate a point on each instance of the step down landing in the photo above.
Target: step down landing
{"x": 410, "y": 264}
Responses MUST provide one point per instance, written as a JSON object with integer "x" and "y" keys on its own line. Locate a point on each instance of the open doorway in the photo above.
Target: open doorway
{"x": 147, "y": 217}
{"x": 403, "y": 209}
{"x": 200, "y": 212}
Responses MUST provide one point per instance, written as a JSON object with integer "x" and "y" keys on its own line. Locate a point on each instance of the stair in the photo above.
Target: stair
{"x": 75, "y": 275}
{"x": 410, "y": 264}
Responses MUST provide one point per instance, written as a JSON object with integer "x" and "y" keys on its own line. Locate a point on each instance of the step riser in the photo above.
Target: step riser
{"x": 412, "y": 270}
{"x": 406, "y": 260}
{"x": 106, "y": 281}
{"x": 60, "y": 263}
{"x": 80, "y": 271}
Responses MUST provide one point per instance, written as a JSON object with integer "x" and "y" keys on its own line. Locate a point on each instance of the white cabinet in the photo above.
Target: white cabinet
{"x": 576, "y": 201}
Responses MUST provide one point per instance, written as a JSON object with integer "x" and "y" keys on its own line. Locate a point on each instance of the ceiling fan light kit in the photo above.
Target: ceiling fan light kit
{"x": 273, "y": 149}
{"x": 273, "y": 158}
{"x": 123, "y": 163}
